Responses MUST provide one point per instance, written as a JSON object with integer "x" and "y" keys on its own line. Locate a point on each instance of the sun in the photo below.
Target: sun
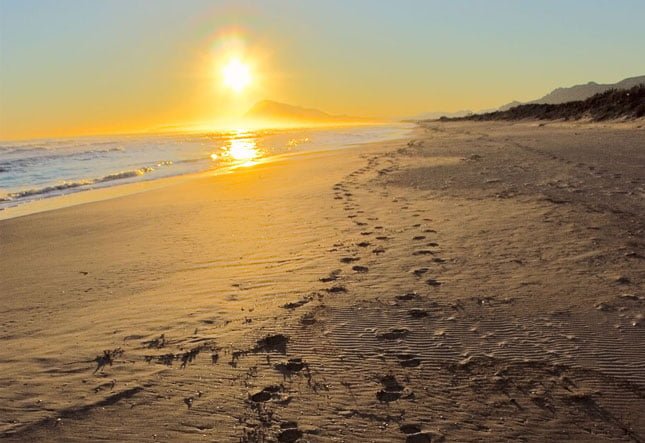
{"x": 236, "y": 75}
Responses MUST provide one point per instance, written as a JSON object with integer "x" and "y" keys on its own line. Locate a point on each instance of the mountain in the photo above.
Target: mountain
{"x": 579, "y": 92}
{"x": 607, "y": 105}
{"x": 510, "y": 105}
{"x": 557, "y": 96}
{"x": 582, "y": 92}
{"x": 267, "y": 111}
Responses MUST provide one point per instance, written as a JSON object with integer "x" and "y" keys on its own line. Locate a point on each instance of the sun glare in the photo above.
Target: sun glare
{"x": 243, "y": 150}
{"x": 236, "y": 75}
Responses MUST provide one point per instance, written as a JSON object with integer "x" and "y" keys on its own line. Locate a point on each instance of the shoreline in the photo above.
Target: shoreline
{"x": 472, "y": 281}
{"x": 118, "y": 190}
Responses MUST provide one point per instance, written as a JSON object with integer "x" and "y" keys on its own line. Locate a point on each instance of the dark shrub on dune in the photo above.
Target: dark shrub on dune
{"x": 608, "y": 105}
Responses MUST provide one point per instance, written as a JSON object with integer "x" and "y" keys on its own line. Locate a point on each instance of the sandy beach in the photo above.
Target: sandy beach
{"x": 472, "y": 282}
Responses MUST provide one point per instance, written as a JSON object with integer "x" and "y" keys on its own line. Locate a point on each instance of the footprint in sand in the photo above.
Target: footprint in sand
{"x": 408, "y": 296}
{"x": 296, "y": 304}
{"x": 333, "y": 275}
{"x": 289, "y": 432}
{"x": 393, "y": 334}
{"x": 349, "y": 259}
{"x": 275, "y": 343}
{"x": 409, "y": 360}
{"x": 423, "y": 437}
{"x": 411, "y": 428}
{"x": 419, "y": 272}
{"x": 270, "y": 393}
{"x": 308, "y": 319}
{"x": 417, "y": 313}
{"x": 336, "y": 289}
{"x": 290, "y": 367}
{"x": 392, "y": 390}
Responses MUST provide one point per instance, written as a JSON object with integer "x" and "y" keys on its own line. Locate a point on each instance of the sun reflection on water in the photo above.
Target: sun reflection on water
{"x": 243, "y": 151}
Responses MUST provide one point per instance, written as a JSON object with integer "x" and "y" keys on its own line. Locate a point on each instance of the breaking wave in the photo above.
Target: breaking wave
{"x": 78, "y": 183}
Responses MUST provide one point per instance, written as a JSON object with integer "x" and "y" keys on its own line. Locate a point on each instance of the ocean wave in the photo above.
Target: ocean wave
{"x": 52, "y": 144}
{"x": 33, "y": 160}
{"x": 37, "y": 152}
{"x": 124, "y": 174}
{"x": 192, "y": 160}
{"x": 22, "y": 148}
{"x": 76, "y": 184}
{"x": 48, "y": 189}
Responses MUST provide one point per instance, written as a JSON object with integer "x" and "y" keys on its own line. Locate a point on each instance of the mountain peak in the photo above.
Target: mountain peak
{"x": 273, "y": 109}
{"x": 269, "y": 111}
{"x": 584, "y": 91}
{"x": 578, "y": 92}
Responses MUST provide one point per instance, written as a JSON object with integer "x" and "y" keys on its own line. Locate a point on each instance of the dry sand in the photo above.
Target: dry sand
{"x": 477, "y": 282}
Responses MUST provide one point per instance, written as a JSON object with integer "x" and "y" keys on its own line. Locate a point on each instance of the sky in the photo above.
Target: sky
{"x": 77, "y": 67}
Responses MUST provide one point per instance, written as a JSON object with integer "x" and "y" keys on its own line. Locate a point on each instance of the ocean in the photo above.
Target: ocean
{"x": 38, "y": 169}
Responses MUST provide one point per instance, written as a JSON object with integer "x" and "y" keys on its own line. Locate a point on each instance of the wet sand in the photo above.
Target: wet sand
{"x": 474, "y": 282}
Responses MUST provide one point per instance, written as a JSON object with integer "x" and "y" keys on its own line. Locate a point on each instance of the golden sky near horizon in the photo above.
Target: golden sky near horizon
{"x": 71, "y": 67}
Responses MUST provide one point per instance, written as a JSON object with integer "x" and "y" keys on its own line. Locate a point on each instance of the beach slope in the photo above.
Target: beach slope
{"x": 475, "y": 281}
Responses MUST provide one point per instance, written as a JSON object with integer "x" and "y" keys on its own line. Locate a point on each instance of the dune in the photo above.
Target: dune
{"x": 472, "y": 282}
